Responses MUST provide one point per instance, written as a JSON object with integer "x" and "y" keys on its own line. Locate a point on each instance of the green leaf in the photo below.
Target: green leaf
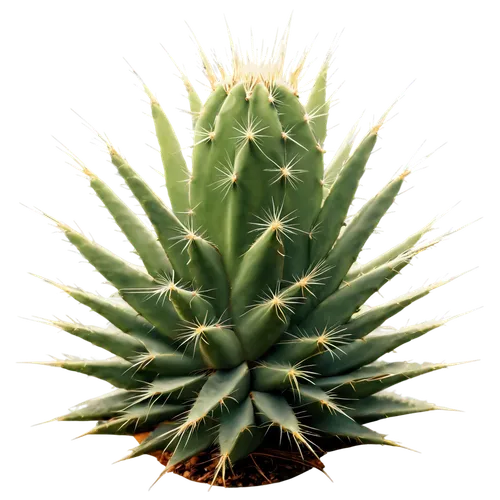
{"x": 113, "y": 340}
{"x": 368, "y": 349}
{"x": 260, "y": 270}
{"x": 179, "y": 388}
{"x": 385, "y": 405}
{"x": 357, "y": 270}
{"x": 357, "y": 232}
{"x": 337, "y": 424}
{"x": 221, "y": 348}
{"x": 230, "y": 385}
{"x": 172, "y": 234}
{"x": 365, "y": 322}
{"x": 207, "y": 269}
{"x": 119, "y": 314}
{"x": 333, "y": 169}
{"x": 171, "y": 362}
{"x": 190, "y": 444}
{"x": 340, "y": 306}
{"x": 142, "y": 239}
{"x": 190, "y": 305}
{"x": 176, "y": 171}
{"x": 238, "y": 432}
{"x": 133, "y": 284}
{"x": 317, "y": 106}
{"x": 161, "y": 439}
{"x": 375, "y": 378}
{"x": 137, "y": 419}
{"x": 261, "y": 327}
{"x": 273, "y": 409}
{"x": 116, "y": 371}
{"x": 332, "y": 215}
{"x": 107, "y": 406}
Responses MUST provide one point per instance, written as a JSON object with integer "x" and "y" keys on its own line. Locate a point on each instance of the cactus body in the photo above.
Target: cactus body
{"x": 249, "y": 312}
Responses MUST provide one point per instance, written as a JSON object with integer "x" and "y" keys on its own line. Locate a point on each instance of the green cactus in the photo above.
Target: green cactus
{"x": 247, "y": 321}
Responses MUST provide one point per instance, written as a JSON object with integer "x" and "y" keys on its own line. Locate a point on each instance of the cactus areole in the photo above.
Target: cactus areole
{"x": 242, "y": 349}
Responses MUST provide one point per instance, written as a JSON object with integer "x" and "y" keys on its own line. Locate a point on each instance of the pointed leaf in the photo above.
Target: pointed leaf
{"x": 274, "y": 409}
{"x": 172, "y": 234}
{"x": 116, "y": 371}
{"x": 139, "y": 418}
{"x": 207, "y": 269}
{"x": 132, "y": 283}
{"x": 385, "y": 405}
{"x": 359, "y": 269}
{"x": 260, "y": 270}
{"x": 238, "y": 432}
{"x": 142, "y": 239}
{"x": 179, "y": 388}
{"x": 113, "y": 340}
{"x": 317, "y": 106}
{"x": 375, "y": 378}
{"x": 222, "y": 385}
{"x": 221, "y": 348}
{"x": 176, "y": 171}
{"x": 334, "y": 210}
{"x": 368, "y": 349}
{"x": 341, "y": 305}
{"x": 260, "y": 328}
{"x": 190, "y": 444}
{"x": 357, "y": 232}
{"x": 101, "y": 408}
{"x": 337, "y": 424}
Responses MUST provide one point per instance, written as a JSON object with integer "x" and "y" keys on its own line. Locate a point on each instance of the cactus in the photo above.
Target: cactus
{"x": 247, "y": 321}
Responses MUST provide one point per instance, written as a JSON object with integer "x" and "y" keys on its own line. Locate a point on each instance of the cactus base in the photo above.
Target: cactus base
{"x": 266, "y": 466}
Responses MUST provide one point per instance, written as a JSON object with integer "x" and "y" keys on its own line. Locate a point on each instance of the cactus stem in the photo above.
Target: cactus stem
{"x": 314, "y": 114}
{"x": 251, "y": 132}
{"x": 191, "y": 210}
{"x": 165, "y": 285}
{"x": 141, "y": 361}
{"x": 311, "y": 278}
{"x": 286, "y": 135}
{"x": 272, "y": 219}
{"x": 313, "y": 231}
{"x": 279, "y": 302}
{"x": 228, "y": 177}
{"x": 288, "y": 172}
{"x": 187, "y": 235}
{"x": 193, "y": 331}
{"x": 206, "y": 136}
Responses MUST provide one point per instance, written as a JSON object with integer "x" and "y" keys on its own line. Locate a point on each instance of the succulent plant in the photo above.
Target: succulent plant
{"x": 246, "y": 329}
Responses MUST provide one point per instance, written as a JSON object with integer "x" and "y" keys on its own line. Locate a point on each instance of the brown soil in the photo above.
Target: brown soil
{"x": 264, "y": 466}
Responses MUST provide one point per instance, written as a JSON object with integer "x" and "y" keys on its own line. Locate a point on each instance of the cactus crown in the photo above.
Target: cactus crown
{"x": 247, "y": 321}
